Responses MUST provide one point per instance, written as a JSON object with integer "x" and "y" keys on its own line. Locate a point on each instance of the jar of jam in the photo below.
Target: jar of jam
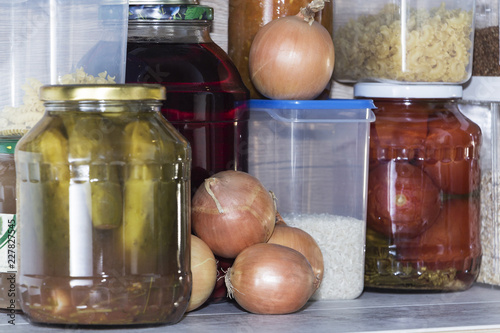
{"x": 8, "y": 227}
{"x": 206, "y": 98}
{"x": 423, "y": 229}
{"x": 103, "y": 209}
{"x": 246, "y": 17}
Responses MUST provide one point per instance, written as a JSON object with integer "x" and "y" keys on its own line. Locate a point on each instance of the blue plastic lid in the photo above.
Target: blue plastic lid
{"x": 339, "y": 104}
{"x": 316, "y": 111}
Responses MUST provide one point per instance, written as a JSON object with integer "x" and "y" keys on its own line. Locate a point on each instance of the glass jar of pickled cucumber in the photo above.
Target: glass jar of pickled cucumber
{"x": 103, "y": 186}
{"x": 423, "y": 210}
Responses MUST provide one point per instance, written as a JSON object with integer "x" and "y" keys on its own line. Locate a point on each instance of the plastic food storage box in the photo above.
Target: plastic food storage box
{"x": 403, "y": 41}
{"x": 56, "y": 42}
{"x": 313, "y": 155}
{"x": 481, "y": 103}
{"x": 486, "y": 39}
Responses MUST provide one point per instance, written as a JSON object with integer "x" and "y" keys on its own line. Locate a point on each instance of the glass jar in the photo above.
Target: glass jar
{"x": 246, "y": 17}
{"x": 206, "y": 99}
{"x": 423, "y": 208}
{"x": 481, "y": 103}
{"x": 104, "y": 209}
{"x": 8, "y": 228}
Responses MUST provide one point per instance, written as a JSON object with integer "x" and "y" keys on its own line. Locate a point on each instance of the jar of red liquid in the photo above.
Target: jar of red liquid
{"x": 423, "y": 189}
{"x": 206, "y": 98}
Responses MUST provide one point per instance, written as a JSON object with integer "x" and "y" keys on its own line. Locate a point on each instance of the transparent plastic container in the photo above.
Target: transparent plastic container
{"x": 403, "y": 41}
{"x": 313, "y": 156}
{"x": 423, "y": 189}
{"x": 481, "y": 103}
{"x": 103, "y": 209}
{"x": 486, "y": 39}
{"x": 56, "y": 42}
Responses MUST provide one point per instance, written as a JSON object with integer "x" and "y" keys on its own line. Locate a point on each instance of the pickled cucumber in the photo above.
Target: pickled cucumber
{"x": 88, "y": 146}
{"x": 53, "y": 147}
{"x": 140, "y": 192}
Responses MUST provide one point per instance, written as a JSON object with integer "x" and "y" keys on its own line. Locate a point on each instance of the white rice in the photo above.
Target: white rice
{"x": 342, "y": 243}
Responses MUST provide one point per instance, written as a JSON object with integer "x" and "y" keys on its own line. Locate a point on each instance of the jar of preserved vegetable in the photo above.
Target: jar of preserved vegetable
{"x": 423, "y": 230}
{"x": 169, "y": 43}
{"x": 246, "y": 17}
{"x": 104, "y": 209}
{"x": 8, "y": 228}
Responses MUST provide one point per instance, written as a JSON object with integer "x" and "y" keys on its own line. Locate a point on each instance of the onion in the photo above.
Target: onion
{"x": 270, "y": 279}
{"x": 301, "y": 241}
{"x": 279, "y": 219}
{"x": 204, "y": 273}
{"x": 220, "y": 292}
{"x": 292, "y": 57}
{"x": 231, "y": 212}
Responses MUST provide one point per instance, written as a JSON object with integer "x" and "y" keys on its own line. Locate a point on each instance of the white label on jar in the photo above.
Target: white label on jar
{"x": 8, "y": 228}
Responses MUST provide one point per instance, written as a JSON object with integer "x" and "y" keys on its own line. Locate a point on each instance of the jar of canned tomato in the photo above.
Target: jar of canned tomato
{"x": 423, "y": 189}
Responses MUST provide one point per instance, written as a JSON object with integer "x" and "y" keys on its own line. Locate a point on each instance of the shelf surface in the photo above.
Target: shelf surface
{"x": 474, "y": 310}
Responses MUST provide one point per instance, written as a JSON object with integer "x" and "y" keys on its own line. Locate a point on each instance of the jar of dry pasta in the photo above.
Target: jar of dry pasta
{"x": 423, "y": 211}
{"x": 403, "y": 41}
{"x": 246, "y": 17}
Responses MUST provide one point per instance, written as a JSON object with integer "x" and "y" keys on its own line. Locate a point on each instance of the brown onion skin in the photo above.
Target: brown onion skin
{"x": 291, "y": 59}
{"x": 271, "y": 279}
{"x": 301, "y": 241}
{"x": 220, "y": 292}
{"x": 248, "y": 215}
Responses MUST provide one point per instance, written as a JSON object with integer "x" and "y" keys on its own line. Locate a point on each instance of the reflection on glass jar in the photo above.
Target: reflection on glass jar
{"x": 103, "y": 184}
{"x": 423, "y": 190}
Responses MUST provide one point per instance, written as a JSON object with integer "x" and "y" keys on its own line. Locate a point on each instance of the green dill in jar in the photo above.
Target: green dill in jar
{"x": 103, "y": 205}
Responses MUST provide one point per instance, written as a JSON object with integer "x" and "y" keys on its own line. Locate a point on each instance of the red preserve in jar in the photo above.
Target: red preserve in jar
{"x": 169, "y": 43}
{"x": 423, "y": 189}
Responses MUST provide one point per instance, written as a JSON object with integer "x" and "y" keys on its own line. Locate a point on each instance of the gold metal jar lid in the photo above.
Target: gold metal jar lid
{"x": 102, "y": 92}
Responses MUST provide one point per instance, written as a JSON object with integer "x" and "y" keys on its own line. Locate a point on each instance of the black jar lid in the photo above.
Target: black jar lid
{"x": 165, "y": 11}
